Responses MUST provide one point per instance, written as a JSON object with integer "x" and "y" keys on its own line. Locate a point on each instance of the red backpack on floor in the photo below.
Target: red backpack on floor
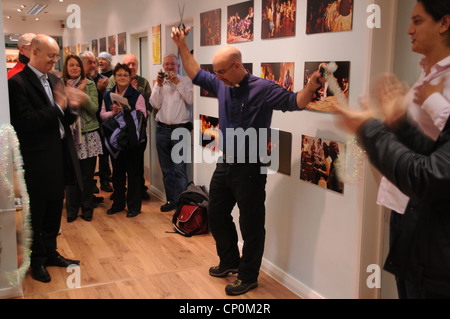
{"x": 191, "y": 217}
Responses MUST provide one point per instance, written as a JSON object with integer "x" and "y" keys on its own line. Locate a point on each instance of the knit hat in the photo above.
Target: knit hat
{"x": 25, "y": 39}
{"x": 105, "y": 55}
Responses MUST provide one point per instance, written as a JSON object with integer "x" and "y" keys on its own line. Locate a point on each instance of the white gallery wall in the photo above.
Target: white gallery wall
{"x": 316, "y": 239}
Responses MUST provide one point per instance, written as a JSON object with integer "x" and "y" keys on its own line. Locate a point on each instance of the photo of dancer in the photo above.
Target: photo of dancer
{"x": 280, "y": 73}
{"x": 209, "y": 132}
{"x": 322, "y": 163}
{"x": 329, "y": 16}
{"x": 323, "y": 98}
{"x": 240, "y": 19}
{"x": 210, "y": 27}
{"x": 278, "y": 18}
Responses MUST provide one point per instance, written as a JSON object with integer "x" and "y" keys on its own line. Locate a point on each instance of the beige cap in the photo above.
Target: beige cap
{"x": 25, "y": 39}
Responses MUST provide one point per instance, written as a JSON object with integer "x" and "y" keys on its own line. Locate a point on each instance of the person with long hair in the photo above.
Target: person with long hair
{"x": 87, "y": 139}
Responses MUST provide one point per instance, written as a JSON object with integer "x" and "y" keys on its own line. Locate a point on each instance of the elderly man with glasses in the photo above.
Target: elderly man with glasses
{"x": 41, "y": 111}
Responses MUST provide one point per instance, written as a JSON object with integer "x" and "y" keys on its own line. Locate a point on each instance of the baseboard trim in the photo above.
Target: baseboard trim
{"x": 288, "y": 281}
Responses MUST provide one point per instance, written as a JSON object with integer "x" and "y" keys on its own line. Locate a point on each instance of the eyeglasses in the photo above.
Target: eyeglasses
{"x": 54, "y": 57}
{"x": 223, "y": 72}
{"x": 122, "y": 75}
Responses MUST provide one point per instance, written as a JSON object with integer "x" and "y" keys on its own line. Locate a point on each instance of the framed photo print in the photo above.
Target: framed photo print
{"x": 323, "y": 96}
{"x": 278, "y": 18}
{"x": 322, "y": 162}
{"x": 329, "y": 16}
{"x": 210, "y": 28}
{"x": 240, "y": 20}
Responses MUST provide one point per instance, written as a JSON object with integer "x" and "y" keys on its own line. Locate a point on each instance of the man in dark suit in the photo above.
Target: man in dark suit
{"x": 41, "y": 112}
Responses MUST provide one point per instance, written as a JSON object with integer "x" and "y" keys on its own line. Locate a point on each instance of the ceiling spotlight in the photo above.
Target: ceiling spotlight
{"x": 19, "y": 10}
{"x": 37, "y": 9}
{"x": 37, "y": 19}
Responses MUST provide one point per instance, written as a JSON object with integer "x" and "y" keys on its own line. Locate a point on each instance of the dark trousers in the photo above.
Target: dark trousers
{"x": 104, "y": 170}
{"x": 75, "y": 198}
{"x": 244, "y": 185}
{"x": 45, "y": 222}
{"x": 127, "y": 165}
{"x": 405, "y": 288}
{"x": 174, "y": 174}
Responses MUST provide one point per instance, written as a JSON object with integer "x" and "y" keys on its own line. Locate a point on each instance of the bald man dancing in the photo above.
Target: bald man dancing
{"x": 247, "y": 102}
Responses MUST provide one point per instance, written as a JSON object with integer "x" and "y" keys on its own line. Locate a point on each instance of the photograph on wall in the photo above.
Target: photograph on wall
{"x": 210, "y": 27}
{"x": 278, "y": 18}
{"x": 94, "y": 47}
{"x": 122, "y": 43}
{"x": 329, "y": 16}
{"x": 209, "y": 68}
{"x": 102, "y": 45}
{"x": 112, "y": 45}
{"x": 209, "y": 132}
{"x": 156, "y": 44}
{"x": 284, "y": 149}
{"x": 322, "y": 163}
{"x": 280, "y": 73}
{"x": 240, "y": 18}
{"x": 323, "y": 98}
{"x": 12, "y": 57}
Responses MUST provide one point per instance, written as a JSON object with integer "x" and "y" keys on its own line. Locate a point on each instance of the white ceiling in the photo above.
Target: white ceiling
{"x": 55, "y": 10}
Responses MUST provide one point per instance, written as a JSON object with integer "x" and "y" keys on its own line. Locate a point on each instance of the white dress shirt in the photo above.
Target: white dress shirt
{"x": 430, "y": 117}
{"x": 173, "y": 101}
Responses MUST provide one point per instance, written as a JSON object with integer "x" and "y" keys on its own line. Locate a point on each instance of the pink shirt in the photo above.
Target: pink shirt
{"x": 431, "y": 117}
{"x": 140, "y": 106}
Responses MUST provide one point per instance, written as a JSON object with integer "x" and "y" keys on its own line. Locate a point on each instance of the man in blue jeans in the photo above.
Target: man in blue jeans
{"x": 172, "y": 96}
{"x": 246, "y": 102}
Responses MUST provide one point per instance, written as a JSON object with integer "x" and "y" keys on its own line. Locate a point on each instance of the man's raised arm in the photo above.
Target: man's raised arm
{"x": 190, "y": 65}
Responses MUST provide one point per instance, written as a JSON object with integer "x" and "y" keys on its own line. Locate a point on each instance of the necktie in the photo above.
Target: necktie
{"x": 49, "y": 92}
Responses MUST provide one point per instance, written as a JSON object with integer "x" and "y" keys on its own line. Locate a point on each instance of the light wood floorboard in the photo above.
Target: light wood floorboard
{"x": 139, "y": 258}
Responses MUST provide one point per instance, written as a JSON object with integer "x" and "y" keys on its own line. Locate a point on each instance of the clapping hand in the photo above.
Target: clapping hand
{"x": 75, "y": 97}
{"x": 352, "y": 120}
{"x": 390, "y": 94}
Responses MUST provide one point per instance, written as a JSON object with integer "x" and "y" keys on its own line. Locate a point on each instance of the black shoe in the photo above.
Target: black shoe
{"x": 41, "y": 274}
{"x": 97, "y": 200}
{"x": 145, "y": 195}
{"x": 113, "y": 211}
{"x": 167, "y": 207}
{"x": 238, "y": 287}
{"x": 87, "y": 218}
{"x": 105, "y": 186}
{"x": 222, "y": 271}
{"x": 133, "y": 214}
{"x": 96, "y": 190}
{"x": 60, "y": 261}
{"x": 71, "y": 219}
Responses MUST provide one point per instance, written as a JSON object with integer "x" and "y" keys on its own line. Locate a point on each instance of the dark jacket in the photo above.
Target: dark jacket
{"x": 50, "y": 162}
{"x": 420, "y": 168}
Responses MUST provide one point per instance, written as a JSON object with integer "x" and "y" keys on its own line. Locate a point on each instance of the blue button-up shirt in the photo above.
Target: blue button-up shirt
{"x": 250, "y": 104}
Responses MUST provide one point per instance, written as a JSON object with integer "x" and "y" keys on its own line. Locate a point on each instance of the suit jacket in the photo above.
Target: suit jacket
{"x": 419, "y": 167}
{"x": 50, "y": 162}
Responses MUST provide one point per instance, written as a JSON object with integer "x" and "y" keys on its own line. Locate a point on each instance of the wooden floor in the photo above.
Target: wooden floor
{"x": 137, "y": 258}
